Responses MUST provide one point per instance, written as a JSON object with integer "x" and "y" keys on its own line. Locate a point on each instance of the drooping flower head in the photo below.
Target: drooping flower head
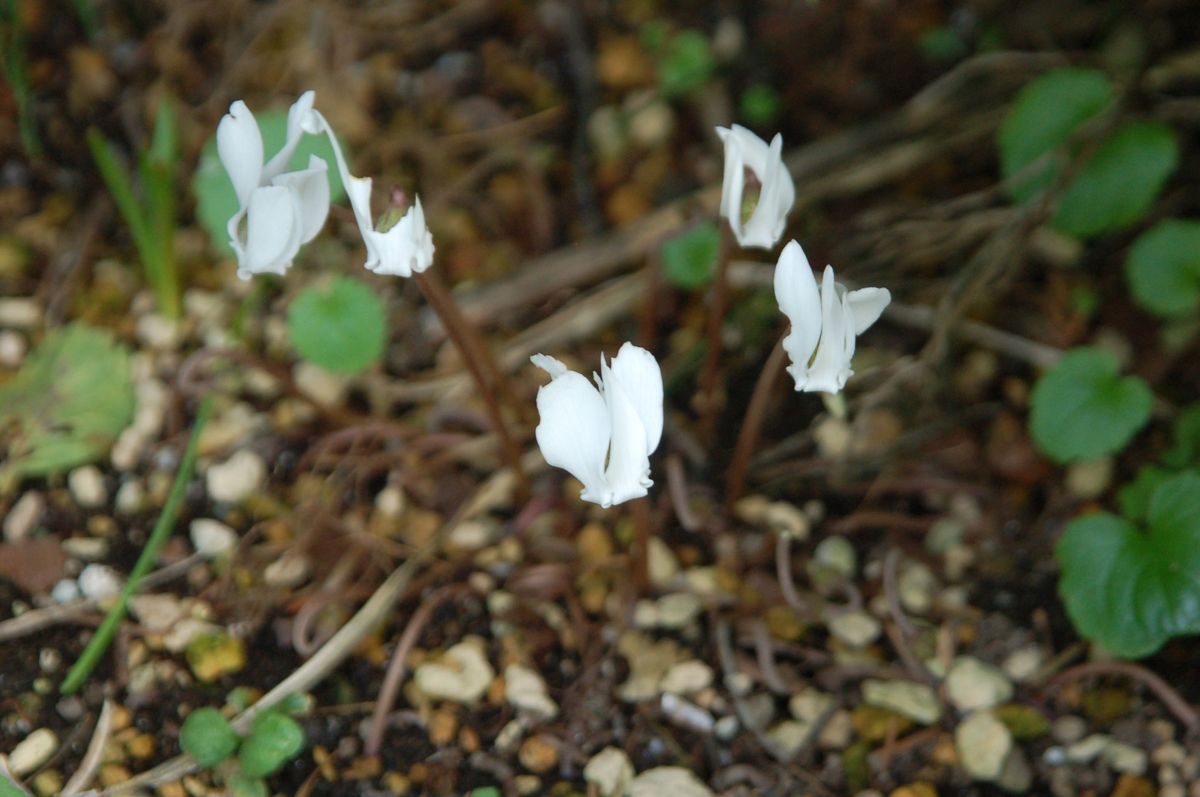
{"x": 404, "y": 248}
{"x": 603, "y": 435}
{"x": 744, "y": 150}
{"x": 825, "y": 322}
{"x": 280, "y": 210}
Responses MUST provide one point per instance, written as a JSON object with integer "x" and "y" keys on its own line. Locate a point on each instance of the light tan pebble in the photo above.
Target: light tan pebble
{"x": 443, "y": 726}
{"x": 916, "y": 586}
{"x": 972, "y": 684}
{"x": 48, "y": 783}
{"x": 1126, "y": 758}
{"x": 810, "y": 705}
{"x": 1168, "y": 774}
{"x": 957, "y": 561}
{"x": 24, "y": 516}
{"x": 12, "y": 348}
{"x": 678, "y": 610}
{"x": 1088, "y": 748}
{"x": 833, "y": 436}
{"x": 1017, "y": 775}
{"x": 390, "y": 501}
{"x": 915, "y": 701}
{"x": 32, "y": 751}
{"x": 594, "y": 544}
{"x": 86, "y": 549}
{"x": 1068, "y": 729}
{"x": 662, "y": 563}
{"x": 236, "y": 478}
{"x": 726, "y": 728}
{"x": 156, "y": 612}
{"x": 1089, "y": 479}
{"x": 673, "y": 781}
{"x": 326, "y": 388}
{"x": 1162, "y": 730}
{"x": 855, "y": 627}
{"x": 87, "y": 487}
{"x": 729, "y": 39}
{"x": 837, "y": 555}
{"x": 289, "y": 570}
{"x": 652, "y": 123}
{"x": 685, "y": 713}
{"x": 19, "y": 312}
{"x": 525, "y": 690}
{"x": 1023, "y": 663}
{"x": 211, "y": 538}
{"x": 130, "y": 498}
{"x": 158, "y": 332}
{"x": 141, "y": 747}
{"x": 787, "y": 519}
{"x": 687, "y": 677}
{"x": 1172, "y": 790}
{"x": 184, "y": 631}
{"x": 610, "y": 771}
{"x": 538, "y": 754}
{"x": 527, "y": 784}
{"x": 1169, "y": 753}
{"x": 127, "y": 451}
{"x": 172, "y": 789}
{"x": 112, "y": 774}
{"x": 983, "y": 744}
{"x": 461, "y": 675}
{"x": 838, "y": 731}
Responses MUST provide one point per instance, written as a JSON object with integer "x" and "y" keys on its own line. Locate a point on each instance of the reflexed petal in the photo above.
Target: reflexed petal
{"x": 831, "y": 361}
{"x": 406, "y": 247}
{"x": 312, "y": 192}
{"x": 866, "y": 305}
{"x": 240, "y": 148}
{"x": 300, "y": 119}
{"x": 733, "y": 183}
{"x": 638, "y": 374}
{"x": 796, "y": 292}
{"x": 573, "y": 432}
{"x": 767, "y": 222}
{"x": 550, "y": 365}
{"x": 628, "y": 471}
{"x": 272, "y": 231}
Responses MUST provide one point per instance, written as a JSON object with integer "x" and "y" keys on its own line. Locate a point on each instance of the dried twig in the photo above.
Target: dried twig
{"x": 1183, "y": 711}
{"x": 91, "y": 759}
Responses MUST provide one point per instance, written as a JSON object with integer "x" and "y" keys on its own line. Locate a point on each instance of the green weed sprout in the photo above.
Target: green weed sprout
{"x": 152, "y": 218}
{"x": 274, "y": 739}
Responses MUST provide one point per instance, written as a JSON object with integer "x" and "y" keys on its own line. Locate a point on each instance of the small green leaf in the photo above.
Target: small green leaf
{"x": 1163, "y": 268}
{"x": 339, "y": 326}
{"x": 1130, "y": 590}
{"x": 690, "y": 259}
{"x": 274, "y": 740}
{"x": 1119, "y": 184}
{"x": 208, "y": 737}
{"x": 1083, "y": 409}
{"x": 687, "y": 63}
{"x": 760, "y": 105}
{"x": 67, "y": 403}
{"x": 216, "y": 201}
{"x": 1134, "y": 497}
{"x": 1043, "y": 116}
{"x": 1185, "y": 451}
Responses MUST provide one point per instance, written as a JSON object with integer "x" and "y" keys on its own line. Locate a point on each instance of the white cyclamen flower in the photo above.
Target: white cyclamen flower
{"x": 826, "y": 323}
{"x": 281, "y": 210}
{"x": 744, "y": 150}
{"x": 404, "y": 248}
{"x": 603, "y": 435}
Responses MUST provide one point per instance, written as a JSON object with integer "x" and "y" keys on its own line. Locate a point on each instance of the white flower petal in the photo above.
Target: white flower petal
{"x": 272, "y": 231}
{"x": 574, "y": 431}
{"x": 406, "y": 248}
{"x": 831, "y": 365}
{"x": 550, "y": 365}
{"x": 312, "y": 192}
{"x": 240, "y": 149}
{"x": 866, "y": 305}
{"x": 628, "y": 471}
{"x": 639, "y": 375}
{"x": 734, "y": 182}
{"x": 767, "y": 222}
{"x": 796, "y": 292}
{"x": 300, "y": 120}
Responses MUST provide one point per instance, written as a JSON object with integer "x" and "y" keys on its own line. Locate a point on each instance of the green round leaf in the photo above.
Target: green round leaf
{"x": 1185, "y": 448}
{"x": 1043, "y": 116}
{"x": 242, "y": 785}
{"x": 686, "y": 64}
{"x": 1120, "y": 182}
{"x": 1130, "y": 590}
{"x": 216, "y": 201}
{"x": 274, "y": 740}
{"x": 339, "y": 326}
{"x": 1083, "y": 409}
{"x": 208, "y": 737}
{"x": 690, "y": 260}
{"x": 1163, "y": 268}
{"x": 760, "y": 105}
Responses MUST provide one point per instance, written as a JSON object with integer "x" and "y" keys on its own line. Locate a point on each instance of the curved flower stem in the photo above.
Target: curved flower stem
{"x": 1182, "y": 710}
{"x": 710, "y": 406}
{"x": 639, "y": 510}
{"x": 752, "y": 424}
{"x": 480, "y": 363}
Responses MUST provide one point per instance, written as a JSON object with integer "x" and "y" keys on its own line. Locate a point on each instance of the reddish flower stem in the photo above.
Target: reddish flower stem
{"x": 752, "y": 424}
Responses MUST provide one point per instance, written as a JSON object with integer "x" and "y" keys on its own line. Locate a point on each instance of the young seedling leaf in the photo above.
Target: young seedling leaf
{"x": 1083, "y": 409}
{"x": 1042, "y": 118}
{"x": 215, "y": 200}
{"x": 1163, "y": 268}
{"x": 339, "y": 326}
{"x": 208, "y": 737}
{"x": 687, "y": 63}
{"x": 274, "y": 740}
{"x": 690, "y": 260}
{"x": 1185, "y": 451}
{"x": 242, "y": 785}
{"x": 67, "y": 403}
{"x": 1134, "y": 497}
{"x": 1119, "y": 184}
{"x": 1132, "y": 590}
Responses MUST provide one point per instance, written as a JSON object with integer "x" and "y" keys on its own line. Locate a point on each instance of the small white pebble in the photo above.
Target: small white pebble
{"x": 211, "y": 537}
{"x": 65, "y": 591}
{"x": 236, "y": 478}
{"x": 23, "y": 518}
{"x": 99, "y": 581}
{"x": 12, "y": 348}
{"x": 131, "y": 496}
{"x": 87, "y": 487}
{"x": 32, "y": 751}
{"x": 20, "y": 312}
